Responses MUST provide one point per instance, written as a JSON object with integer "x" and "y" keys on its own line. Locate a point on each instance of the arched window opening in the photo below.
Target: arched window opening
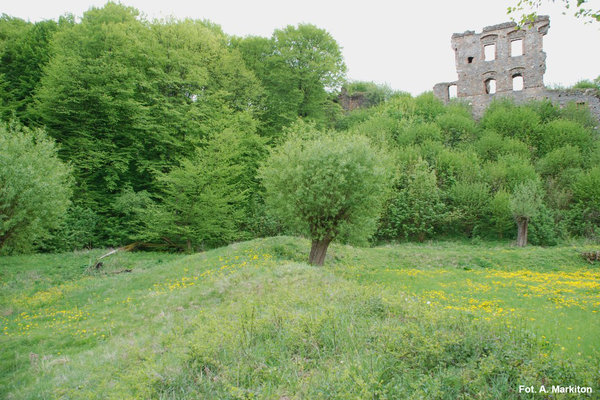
{"x": 490, "y": 86}
{"x": 517, "y": 82}
{"x": 452, "y": 91}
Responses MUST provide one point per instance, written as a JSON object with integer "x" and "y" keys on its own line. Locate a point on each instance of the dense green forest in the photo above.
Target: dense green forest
{"x": 120, "y": 130}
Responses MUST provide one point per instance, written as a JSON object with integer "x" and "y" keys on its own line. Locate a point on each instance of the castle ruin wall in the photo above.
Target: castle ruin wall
{"x": 506, "y": 61}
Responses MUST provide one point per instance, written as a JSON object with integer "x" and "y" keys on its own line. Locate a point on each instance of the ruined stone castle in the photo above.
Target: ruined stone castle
{"x": 504, "y": 61}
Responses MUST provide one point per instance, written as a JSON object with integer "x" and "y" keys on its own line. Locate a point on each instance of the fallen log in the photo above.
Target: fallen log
{"x": 591, "y": 256}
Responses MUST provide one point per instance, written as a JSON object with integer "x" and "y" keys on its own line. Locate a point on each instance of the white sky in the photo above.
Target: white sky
{"x": 405, "y": 44}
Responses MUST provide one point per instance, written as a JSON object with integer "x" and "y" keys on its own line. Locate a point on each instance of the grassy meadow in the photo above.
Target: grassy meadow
{"x": 439, "y": 320}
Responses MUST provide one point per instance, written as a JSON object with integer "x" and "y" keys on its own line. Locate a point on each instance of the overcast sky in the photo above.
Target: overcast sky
{"x": 404, "y": 44}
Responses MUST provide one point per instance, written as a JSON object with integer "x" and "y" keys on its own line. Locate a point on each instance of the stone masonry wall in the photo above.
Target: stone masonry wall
{"x": 514, "y": 68}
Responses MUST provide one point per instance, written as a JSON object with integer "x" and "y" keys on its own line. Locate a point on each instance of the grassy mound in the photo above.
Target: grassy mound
{"x": 252, "y": 321}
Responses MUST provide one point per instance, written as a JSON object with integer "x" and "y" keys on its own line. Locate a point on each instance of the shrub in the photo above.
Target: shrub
{"x": 491, "y": 146}
{"x": 469, "y": 201}
{"x": 561, "y": 132}
{"x": 416, "y": 210}
{"x": 585, "y": 213}
{"x": 372, "y": 92}
{"x": 352, "y": 118}
{"x": 542, "y": 229}
{"x": 380, "y": 129}
{"x": 587, "y": 84}
{"x": 507, "y": 119}
{"x": 500, "y": 215}
{"x": 456, "y": 128}
{"x": 580, "y": 115}
{"x": 508, "y": 172}
{"x": 204, "y": 201}
{"x": 35, "y": 187}
{"x": 428, "y": 107}
{"x": 559, "y": 160}
{"x": 453, "y": 165}
{"x": 77, "y": 231}
{"x": 546, "y": 110}
{"x": 419, "y": 132}
{"x": 128, "y": 220}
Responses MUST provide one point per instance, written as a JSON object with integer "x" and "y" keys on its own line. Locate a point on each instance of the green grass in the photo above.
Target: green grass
{"x": 436, "y": 320}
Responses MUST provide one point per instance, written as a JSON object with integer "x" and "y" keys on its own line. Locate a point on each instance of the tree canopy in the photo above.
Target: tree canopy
{"x": 35, "y": 187}
{"x": 579, "y": 8}
{"x": 163, "y": 125}
{"x": 327, "y": 187}
{"x": 299, "y": 66}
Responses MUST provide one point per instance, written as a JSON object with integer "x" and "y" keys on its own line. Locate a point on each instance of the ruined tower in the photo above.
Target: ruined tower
{"x": 505, "y": 61}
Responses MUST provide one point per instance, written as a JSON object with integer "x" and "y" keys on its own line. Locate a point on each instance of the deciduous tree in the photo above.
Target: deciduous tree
{"x": 525, "y": 203}
{"x": 34, "y": 187}
{"x": 327, "y": 187}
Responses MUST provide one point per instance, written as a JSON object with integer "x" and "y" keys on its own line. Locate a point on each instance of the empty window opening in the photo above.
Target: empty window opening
{"x": 516, "y": 48}
{"x": 490, "y": 86}
{"x": 581, "y": 104}
{"x": 469, "y": 60}
{"x": 517, "y": 82}
{"x": 489, "y": 52}
{"x": 452, "y": 91}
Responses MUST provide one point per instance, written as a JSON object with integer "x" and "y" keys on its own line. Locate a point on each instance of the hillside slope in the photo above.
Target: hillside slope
{"x": 251, "y": 320}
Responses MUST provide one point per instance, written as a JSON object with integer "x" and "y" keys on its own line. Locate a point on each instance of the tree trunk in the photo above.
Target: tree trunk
{"x": 318, "y": 251}
{"x": 522, "y": 233}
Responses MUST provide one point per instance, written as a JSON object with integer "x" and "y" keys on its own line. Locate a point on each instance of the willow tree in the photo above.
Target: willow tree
{"x": 327, "y": 187}
{"x": 525, "y": 203}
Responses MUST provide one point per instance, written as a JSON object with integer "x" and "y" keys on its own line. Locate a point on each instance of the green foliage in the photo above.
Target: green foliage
{"x": 24, "y": 51}
{"x": 427, "y": 107}
{"x": 352, "y": 118}
{"x": 579, "y": 8}
{"x": 456, "y": 128}
{"x": 585, "y": 213}
{"x": 562, "y": 132}
{"x": 491, "y": 145}
{"x": 546, "y": 110}
{"x": 298, "y": 67}
{"x": 526, "y": 200}
{"x": 582, "y": 115}
{"x": 205, "y": 199}
{"x": 508, "y": 172}
{"x": 469, "y": 203}
{"x": 131, "y": 100}
{"x": 328, "y": 187}
{"x": 416, "y": 132}
{"x": 542, "y": 230}
{"x": 129, "y": 214}
{"x": 415, "y": 210}
{"x": 452, "y": 165}
{"x": 500, "y": 215}
{"x": 587, "y": 84}
{"x": 76, "y": 231}
{"x": 559, "y": 160}
{"x": 507, "y": 119}
{"x": 372, "y": 93}
{"x": 382, "y": 129}
{"x": 35, "y": 187}
{"x": 127, "y": 99}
